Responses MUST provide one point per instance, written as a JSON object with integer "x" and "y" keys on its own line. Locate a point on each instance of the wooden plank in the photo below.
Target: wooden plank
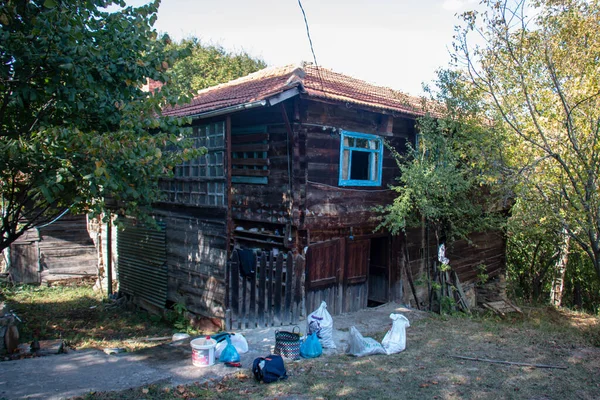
{"x": 289, "y": 275}
{"x": 298, "y": 287}
{"x": 278, "y": 288}
{"x": 259, "y": 147}
{"x": 262, "y": 285}
{"x": 250, "y": 172}
{"x": 235, "y": 289}
{"x": 461, "y": 293}
{"x": 252, "y": 308}
{"x": 255, "y": 137}
{"x": 245, "y": 303}
{"x": 260, "y": 162}
{"x": 270, "y": 271}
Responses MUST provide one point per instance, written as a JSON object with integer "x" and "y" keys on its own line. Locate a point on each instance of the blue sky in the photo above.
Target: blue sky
{"x": 398, "y": 44}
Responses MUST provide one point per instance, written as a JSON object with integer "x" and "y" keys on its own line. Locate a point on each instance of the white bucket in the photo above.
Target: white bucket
{"x": 203, "y": 352}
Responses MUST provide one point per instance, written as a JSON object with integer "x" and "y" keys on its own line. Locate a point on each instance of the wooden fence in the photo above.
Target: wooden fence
{"x": 273, "y": 296}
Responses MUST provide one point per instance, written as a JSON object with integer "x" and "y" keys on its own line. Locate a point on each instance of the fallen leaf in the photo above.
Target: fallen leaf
{"x": 423, "y": 385}
{"x": 145, "y": 390}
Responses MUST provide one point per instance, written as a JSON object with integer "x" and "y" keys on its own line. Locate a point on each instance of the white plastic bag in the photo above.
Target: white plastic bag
{"x": 320, "y": 321}
{"x": 237, "y": 340}
{"x": 394, "y": 340}
{"x": 363, "y": 346}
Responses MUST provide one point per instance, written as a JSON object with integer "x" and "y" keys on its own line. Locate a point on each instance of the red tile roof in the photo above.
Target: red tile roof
{"x": 313, "y": 81}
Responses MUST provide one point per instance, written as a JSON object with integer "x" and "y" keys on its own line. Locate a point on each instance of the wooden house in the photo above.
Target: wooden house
{"x": 297, "y": 160}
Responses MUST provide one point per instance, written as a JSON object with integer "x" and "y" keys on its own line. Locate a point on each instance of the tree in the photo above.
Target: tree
{"x": 536, "y": 66}
{"x": 75, "y": 126}
{"x": 209, "y": 65}
{"x": 449, "y": 179}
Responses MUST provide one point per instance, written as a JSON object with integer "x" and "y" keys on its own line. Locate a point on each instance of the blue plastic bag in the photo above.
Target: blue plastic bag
{"x": 229, "y": 353}
{"x": 311, "y": 347}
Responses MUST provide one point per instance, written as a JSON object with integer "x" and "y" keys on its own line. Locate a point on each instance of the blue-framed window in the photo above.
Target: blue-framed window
{"x": 361, "y": 159}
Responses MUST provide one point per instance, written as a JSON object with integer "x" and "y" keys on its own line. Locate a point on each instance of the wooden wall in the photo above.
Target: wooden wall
{"x": 412, "y": 252}
{"x": 328, "y": 205}
{"x": 196, "y": 260}
{"x": 62, "y": 250}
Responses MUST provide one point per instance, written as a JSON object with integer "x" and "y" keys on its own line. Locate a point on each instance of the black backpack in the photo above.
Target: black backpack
{"x": 269, "y": 369}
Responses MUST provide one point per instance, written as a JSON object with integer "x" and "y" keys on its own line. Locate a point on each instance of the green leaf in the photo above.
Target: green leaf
{"x": 50, "y": 3}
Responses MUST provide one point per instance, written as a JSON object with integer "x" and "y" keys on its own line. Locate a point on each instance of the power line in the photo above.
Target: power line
{"x": 311, "y": 44}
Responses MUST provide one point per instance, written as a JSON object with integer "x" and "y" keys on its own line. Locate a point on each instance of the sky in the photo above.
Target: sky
{"x": 394, "y": 43}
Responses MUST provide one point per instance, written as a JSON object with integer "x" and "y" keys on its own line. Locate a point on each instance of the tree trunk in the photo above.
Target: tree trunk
{"x": 558, "y": 282}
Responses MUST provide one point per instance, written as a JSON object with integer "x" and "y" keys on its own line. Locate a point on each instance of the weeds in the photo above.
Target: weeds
{"x": 80, "y": 316}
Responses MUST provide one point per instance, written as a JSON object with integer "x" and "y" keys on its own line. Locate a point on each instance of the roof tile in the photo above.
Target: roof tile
{"x": 313, "y": 81}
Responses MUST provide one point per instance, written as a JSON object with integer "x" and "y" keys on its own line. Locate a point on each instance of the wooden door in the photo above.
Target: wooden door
{"x": 322, "y": 263}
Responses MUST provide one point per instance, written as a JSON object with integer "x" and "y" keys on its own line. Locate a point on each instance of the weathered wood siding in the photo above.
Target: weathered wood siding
{"x": 417, "y": 253}
{"x": 61, "y": 250}
{"x": 269, "y": 203}
{"x": 328, "y": 205}
{"x": 196, "y": 260}
{"x": 67, "y": 250}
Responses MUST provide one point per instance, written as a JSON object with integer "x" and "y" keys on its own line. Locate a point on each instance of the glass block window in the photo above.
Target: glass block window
{"x": 361, "y": 159}
{"x": 201, "y": 181}
{"x": 211, "y": 136}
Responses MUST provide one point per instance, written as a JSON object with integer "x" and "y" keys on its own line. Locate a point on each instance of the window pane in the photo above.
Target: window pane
{"x": 345, "y": 163}
{"x": 374, "y": 166}
{"x": 362, "y": 143}
{"x": 374, "y": 144}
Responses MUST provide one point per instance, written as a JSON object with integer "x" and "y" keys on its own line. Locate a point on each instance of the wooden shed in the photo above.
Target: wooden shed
{"x": 297, "y": 160}
{"x": 54, "y": 252}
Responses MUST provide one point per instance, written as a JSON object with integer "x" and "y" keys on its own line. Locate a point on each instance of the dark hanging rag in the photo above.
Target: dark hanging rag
{"x": 247, "y": 262}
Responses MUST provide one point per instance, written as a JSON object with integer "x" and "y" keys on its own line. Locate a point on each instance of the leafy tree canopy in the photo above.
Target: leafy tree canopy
{"x": 75, "y": 126}
{"x": 536, "y": 67}
{"x": 209, "y": 65}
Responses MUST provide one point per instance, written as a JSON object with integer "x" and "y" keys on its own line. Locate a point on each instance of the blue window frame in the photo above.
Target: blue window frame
{"x": 361, "y": 159}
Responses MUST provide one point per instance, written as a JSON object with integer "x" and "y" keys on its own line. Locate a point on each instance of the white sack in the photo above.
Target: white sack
{"x": 320, "y": 321}
{"x": 237, "y": 340}
{"x": 363, "y": 346}
{"x": 394, "y": 340}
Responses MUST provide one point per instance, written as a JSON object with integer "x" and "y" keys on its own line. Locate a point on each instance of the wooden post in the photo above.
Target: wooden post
{"x": 278, "y": 287}
{"x": 109, "y": 253}
{"x": 262, "y": 282}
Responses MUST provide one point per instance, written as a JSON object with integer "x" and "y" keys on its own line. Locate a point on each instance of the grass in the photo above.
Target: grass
{"x": 82, "y": 317}
{"x": 426, "y": 370}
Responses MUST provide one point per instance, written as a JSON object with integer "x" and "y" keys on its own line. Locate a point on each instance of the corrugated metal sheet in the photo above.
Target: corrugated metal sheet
{"x": 142, "y": 262}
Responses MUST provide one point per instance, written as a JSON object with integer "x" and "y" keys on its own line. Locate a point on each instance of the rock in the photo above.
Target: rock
{"x": 49, "y": 347}
{"x": 114, "y": 350}
{"x": 24, "y": 348}
{"x": 3, "y": 309}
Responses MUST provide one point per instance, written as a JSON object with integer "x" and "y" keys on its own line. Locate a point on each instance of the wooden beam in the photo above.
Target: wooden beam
{"x": 259, "y": 147}
{"x": 250, "y": 172}
{"x": 256, "y": 137}
{"x": 386, "y": 125}
{"x": 261, "y": 162}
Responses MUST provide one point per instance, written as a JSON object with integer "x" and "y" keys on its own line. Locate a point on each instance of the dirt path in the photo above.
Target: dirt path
{"x": 77, "y": 373}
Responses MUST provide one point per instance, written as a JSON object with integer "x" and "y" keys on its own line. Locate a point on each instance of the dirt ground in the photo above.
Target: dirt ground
{"x": 426, "y": 370}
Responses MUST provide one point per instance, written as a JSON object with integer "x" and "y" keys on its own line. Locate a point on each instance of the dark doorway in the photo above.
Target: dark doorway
{"x": 379, "y": 272}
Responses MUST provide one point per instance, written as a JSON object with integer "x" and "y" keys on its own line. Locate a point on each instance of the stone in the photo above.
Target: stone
{"x": 50, "y": 347}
